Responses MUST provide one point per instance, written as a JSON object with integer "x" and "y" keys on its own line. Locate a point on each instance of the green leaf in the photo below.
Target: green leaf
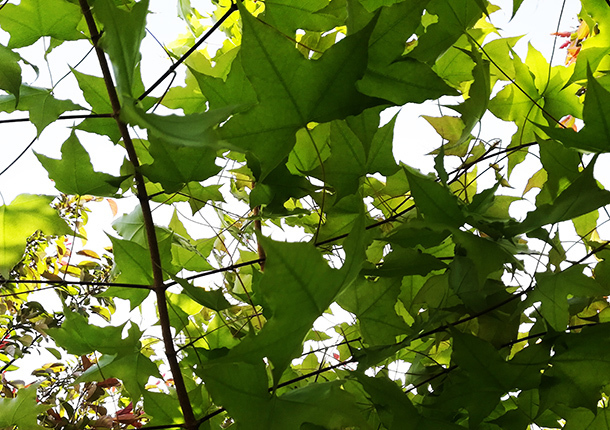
{"x": 311, "y": 149}
{"x": 573, "y": 378}
{"x": 308, "y": 287}
{"x": 594, "y": 135}
{"x": 122, "y": 33}
{"x": 21, "y": 218}
{"x": 561, "y": 165}
{"x": 236, "y": 90}
{"x": 359, "y": 147}
{"x": 133, "y": 369}
{"x": 33, "y": 19}
{"x": 396, "y": 410}
{"x": 10, "y": 72}
{"x": 581, "y": 197}
{"x": 40, "y": 103}
{"x": 373, "y": 304}
{"x": 22, "y": 410}
{"x": 553, "y": 290}
{"x": 454, "y": 18}
{"x": 195, "y": 130}
{"x": 173, "y": 167}
{"x": 95, "y": 92}
{"x": 434, "y": 201}
{"x": 78, "y": 337}
{"x": 242, "y": 389}
{"x": 132, "y": 262}
{"x": 164, "y": 408}
{"x": 405, "y": 81}
{"x": 213, "y": 299}
{"x": 487, "y": 375}
{"x": 475, "y": 106}
{"x": 448, "y": 127}
{"x": 292, "y": 90}
{"x": 188, "y": 98}
{"x": 316, "y": 15}
{"x": 405, "y": 262}
{"x": 74, "y": 174}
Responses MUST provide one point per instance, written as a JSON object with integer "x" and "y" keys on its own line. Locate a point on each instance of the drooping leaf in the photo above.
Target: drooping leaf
{"x": 20, "y": 219}
{"x": 74, "y": 174}
{"x": 405, "y": 262}
{"x": 122, "y": 33}
{"x": 213, "y": 299}
{"x": 10, "y": 72}
{"x": 195, "y": 130}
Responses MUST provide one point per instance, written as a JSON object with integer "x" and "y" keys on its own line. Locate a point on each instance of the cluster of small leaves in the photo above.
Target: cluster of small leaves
{"x": 461, "y": 316}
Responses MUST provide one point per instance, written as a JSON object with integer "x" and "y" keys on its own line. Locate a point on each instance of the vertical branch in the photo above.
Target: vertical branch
{"x": 170, "y": 351}
{"x": 257, "y": 226}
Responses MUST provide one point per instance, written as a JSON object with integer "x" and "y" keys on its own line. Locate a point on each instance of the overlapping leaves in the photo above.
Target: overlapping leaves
{"x": 433, "y": 284}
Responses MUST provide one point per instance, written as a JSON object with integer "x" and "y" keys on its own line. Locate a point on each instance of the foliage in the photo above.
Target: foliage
{"x": 461, "y": 314}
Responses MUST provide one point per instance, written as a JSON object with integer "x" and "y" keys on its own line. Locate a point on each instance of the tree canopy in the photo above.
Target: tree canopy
{"x": 303, "y": 278}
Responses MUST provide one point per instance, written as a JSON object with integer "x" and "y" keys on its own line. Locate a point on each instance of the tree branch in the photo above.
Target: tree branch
{"x": 153, "y": 246}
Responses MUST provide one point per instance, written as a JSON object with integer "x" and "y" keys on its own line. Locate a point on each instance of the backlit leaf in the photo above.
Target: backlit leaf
{"x": 20, "y": 219}
{"x": 74, "y": 174}
{"x": 33, "y": 19}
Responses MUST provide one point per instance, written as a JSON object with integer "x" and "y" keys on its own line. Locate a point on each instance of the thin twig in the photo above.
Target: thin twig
{"x": 173, "y": 67}
{"x": 76, "y": 116}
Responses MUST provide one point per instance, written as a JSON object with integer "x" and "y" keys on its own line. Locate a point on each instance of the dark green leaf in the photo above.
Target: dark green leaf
{"x": 594, "y": 135}
{"x": 435, "y": 202}
{"x": 173, "y": 167}
{"x": 373, "y": 304}
{"x": 553, "y": 290}
{"x": 10, "y": 72}
{"x": 292, "y": 90}
{"x": 405, "y": 81}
